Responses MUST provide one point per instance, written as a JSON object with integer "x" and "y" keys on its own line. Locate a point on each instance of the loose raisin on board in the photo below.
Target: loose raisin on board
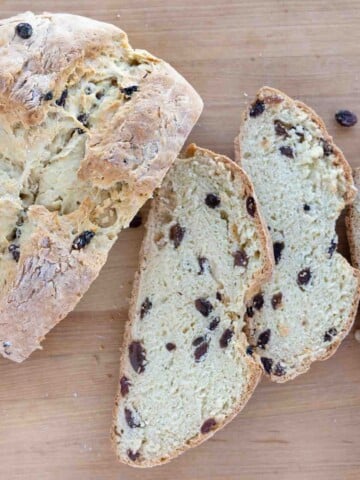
{"x": 176, "y": 234}
{"x": 287, "y": 151}
{"x": 251, "y": 206}
{"x": 132, "y": 455}
{"x": 278, "y": 248}
{"x": 145, "y": 307}
{"x": 15, "y": 251}
{"x": 345, "y": 118}
{"x": 137, "y": 356}
{"x": 304, "y": 277}
{"x": 276, "y": 300}
{"x": 60, "y": 102}
{"x": 203, "y": 306}
{"x": 83, "y": 239}
{"x": 332, "y": 332}
{"x": 257, "y": 108}
{"x": 200, "y": 351}
{"x": 170, "y": 346}
{"x": 267, "y": 364}
{"x": 264, "y": 338}
{"x": 208, "y": 425}
{"x": 258, "y": 301}
{"x": 124, "y": 385}
{"x": 212, "y": 200}
{"x": 226, "y": 338}
{"x": 24, "y": 30}
{"x": 240, "y": 258}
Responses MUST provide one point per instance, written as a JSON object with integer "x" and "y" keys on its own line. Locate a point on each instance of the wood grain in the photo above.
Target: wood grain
{"x": 56, "y": 407}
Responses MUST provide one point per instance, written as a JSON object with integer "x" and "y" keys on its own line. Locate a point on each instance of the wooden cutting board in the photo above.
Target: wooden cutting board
{"x": 55, "y": 409}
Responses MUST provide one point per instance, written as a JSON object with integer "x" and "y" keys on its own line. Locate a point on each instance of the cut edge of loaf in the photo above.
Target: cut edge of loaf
{"x": 352, "y": 222}
{"x": 264, "y": 275}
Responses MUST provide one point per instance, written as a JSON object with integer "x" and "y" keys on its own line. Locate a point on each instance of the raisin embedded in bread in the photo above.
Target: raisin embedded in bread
{"x": 302, "y": 181}
{"x": 353, "y": 223}
{"x": 89, "y": 127}
{"x": 186, "y": 368}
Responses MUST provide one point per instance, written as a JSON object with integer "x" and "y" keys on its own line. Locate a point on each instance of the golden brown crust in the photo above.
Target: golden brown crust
{"x": 192, "y": 151}
{"x": 348, "y": 198}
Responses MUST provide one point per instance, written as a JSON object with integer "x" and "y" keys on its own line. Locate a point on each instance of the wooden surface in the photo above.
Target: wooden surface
{"x": 55, "y": 409}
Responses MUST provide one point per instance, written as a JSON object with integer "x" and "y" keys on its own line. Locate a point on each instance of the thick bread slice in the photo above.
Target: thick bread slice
{"x": 353, "y": 223}
{"x": 88, "y": 129}
{"x": 185, "y": 369}
{"x": 302, "y": 181}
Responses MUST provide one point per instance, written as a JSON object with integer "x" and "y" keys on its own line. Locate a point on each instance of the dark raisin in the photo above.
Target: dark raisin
{"x": 130, "y": 420}
{"x": 250, "y": 350}
{"x": 250, "y": 312}
{"x": 306, "y": 207}
{"x": 276, "y": 300}
{"x": 287, "y": 151}
{"x": 304, "y": 277}
{"x": 300, "y": 135}
{"x": 124, "y": 385}
{"x": 208, "y": 425}
{"x": 218, "y": 296}
{"x": 258, "y": 301}
{"x": 212, "y": 200}
{"x": 278, "y": 248}
{"x": 264, "y": 338}
{"x": 279, "y": 370}
{"x": 176, "y": 234}
{"x": 240, "y": 258}
{"x": 132, "y": 455}
{"x": 60, "y": 102}
{"x": 346, "y": 118}
{"x": 197, "y": 341}
{"x": 15, "y": 251}
{"x": 145, "y": 307}
{"x": 99, "y": 94}
{"x": 203, "y": 264}
{"x": 280, "y": 128}
{"x": 214, "y": 323}
{"x": 251, "y": 206}
{"x": 24, "y": 30}
{"x": 82, "y": 240}
{"x": 137, "y": 356}
{"x": 327, "y": 147}
{"x": 170, "y": 346}
{"x": 48, "y": 96}
{"x": 332, "y": 248}
{"x": 332, "y": 332}
{"x": 203, "y": 306}
{"x": 226, "y": 338}
{"x": 257, "y": 108}
{"x": 128, "y": 91}
{"x": 136, "y": 221}
{"x": 84, "y": 119}
{"x": 267, "y": 364}
{"x": 200, "y": 351}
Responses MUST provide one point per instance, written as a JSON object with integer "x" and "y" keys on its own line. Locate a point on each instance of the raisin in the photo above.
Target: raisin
{"x": 300, "y": 135}
{"x": 332, "y": 332}
{"x": 48, "y": 96}
{"x": 132, "y": 455}
{"x": 226, "y": 338}
{"x": 279, "y": 370}
{"x": 250, "y": 312}
{"x": 170, "y": 346}
{"x": 208, "y": 425}
{"x": 203, "y": 306}
{"x": 60, "y": 102}
{"x": 218, "y": 296}
{"x": 214, "y": 323}
{"x": 250, "y": 350}
{"x": 258, "y": 301}
{"x": 198, "y": 340}
{"x": 176, "y": 234}
{"x": 280, "y": 128}
{"x": 15, "y": 251}
{"x": 306, "y": 207}
{"x": 267, "y": 364}
{"x": 276, "y": 300}
{"x": 130, "y": 420}
{"x": 137, "y": 356}
{"x": 287, "y": 151}
{"x": 203, "y": 263}
{"x": 24, "y": 30}
{"x": 346, "y": 118}
{"x": 257, "y": 108}
{"x": 136, "y": 221}
{"x": 332, "y": 248}
{"x": 82, "y": 240}
{"x": 212, "y": 200}
{"x": 278, "y": 248}
{"x": 99, "y": 94}
{"x": 327, "y": 147}
{"x": 240, "y": 258}
{"x": 145, "y": 307}
{"x": 304, "y": 277}
{"x": 251, "y": 206}
{"x": 128, "y": 91}
{"x": 124, "y": 385}
{"x": 84, "y": 119}
{"x": 264, "y": 338}
{"x": 200, "y": 351}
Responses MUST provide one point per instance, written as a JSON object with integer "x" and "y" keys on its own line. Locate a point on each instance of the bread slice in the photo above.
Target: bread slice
{"x": 186, "y": 369}
{"x": 89, "y": 127}
{"x": 302, "y": 181}
{"x": 353, "y": 223}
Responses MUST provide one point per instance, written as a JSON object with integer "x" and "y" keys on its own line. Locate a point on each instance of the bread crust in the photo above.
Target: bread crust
{"x": 135, "y": 146}
{"x": 191, "y": 151}
{"x": 348, "y": 198}
{"x": 352, "y": 223}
